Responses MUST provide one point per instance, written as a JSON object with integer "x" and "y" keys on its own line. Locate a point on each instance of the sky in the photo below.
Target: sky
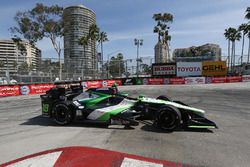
{"x": 196, "y": 22}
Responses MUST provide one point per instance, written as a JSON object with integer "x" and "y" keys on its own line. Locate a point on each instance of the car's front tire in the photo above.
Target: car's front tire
{"x": 169, "y": 118}
{"x": 62, "y": 114}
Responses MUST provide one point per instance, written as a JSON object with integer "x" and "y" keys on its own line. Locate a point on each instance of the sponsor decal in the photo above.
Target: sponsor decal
{"x": 189, "y": 69}
{"x": 104, "y": 83}
{"x": 164, "y": 69}
{"x": 128, "y": 81}
{"x": 218, "y": 79}
{"x": 166, "y": 81}
{"x": 195, "y": 80}
{"x": 246, "y": 78}
{"x": 234, "y": 79}
{"x": 40, "y": 88}
{"x": 145, "y": 81}
{"x": 214, "y": 68}
{"x": 24, "y": 90}
{"x": 177, "y": 81}
{"x": 9, "y": 91}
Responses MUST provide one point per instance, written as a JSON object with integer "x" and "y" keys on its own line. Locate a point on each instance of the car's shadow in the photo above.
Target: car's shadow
{"x": 43, "y": 121}
{"x": 151, "y": 128}
{"x": 147, "y": 126}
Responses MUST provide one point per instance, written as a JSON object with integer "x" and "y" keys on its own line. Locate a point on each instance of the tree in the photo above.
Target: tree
{"x": 23, "y": 68}
{"x": 84, "y": 41}
{"x": 244, "y": 29}
{"x": 41, "y": 22}
{"x": 102, "y": 37}
{"x": 162, "y": 28}
{"x": 234, "y": 35}
{"x": 146, "y": 68}
{"x": 247, "y": 16}
{"x": 227, "y": 36}
{"x": 116, "y": 65}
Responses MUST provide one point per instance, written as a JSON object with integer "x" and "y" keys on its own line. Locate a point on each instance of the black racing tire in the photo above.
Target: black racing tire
{"x": 62, "y": 113}
{"x": 166, "y": 98}
{"x": 180, "y": 102}
{"x": 169, "y": 118}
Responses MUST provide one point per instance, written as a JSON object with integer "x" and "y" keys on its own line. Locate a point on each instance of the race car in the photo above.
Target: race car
{"x": 111, "y": 107}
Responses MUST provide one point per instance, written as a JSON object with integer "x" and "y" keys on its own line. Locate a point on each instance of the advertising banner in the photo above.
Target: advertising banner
{"x": 216, "y": 80}
{"x": 177, "y": 81}
{"x": 246, "y": 78}
{"x": 111, "y": 82}
{"x": 164, "y": 69}
{"x": 40, "y": 88}
{"x": 101, "y": 83}
{"x": 214, "y": 68}
{"x": 189, "y": 69}
{"x": 9, "y": 91}
{"x": 153, "y": 81}
{"x": 231, "y": 79}
{"x": 128, "y": 81}
{"x": 94, "y": 84}
{"x": 195, "y": 80}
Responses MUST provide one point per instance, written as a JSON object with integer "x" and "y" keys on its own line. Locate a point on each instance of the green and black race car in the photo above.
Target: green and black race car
{"x": 107, "y": 105}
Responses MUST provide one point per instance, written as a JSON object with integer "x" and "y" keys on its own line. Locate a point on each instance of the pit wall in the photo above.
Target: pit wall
{"x": 16, "y": 90}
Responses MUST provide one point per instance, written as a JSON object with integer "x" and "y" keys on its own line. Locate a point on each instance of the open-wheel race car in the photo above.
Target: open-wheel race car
{"x": 111, "y": 107}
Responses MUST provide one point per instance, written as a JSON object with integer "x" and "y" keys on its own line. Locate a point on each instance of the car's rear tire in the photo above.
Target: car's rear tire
{"x": 166, "y": 98}
{"x": 62, "y": 114}
{"x": 169, "y": 118}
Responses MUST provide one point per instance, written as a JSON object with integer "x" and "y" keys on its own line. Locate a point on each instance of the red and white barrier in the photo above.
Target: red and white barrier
{"x": 86, "y": 157}
{"x": 15, "y": 90}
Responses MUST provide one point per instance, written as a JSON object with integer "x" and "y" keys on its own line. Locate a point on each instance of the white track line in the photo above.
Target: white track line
{"x": 47, "y": 160}
{"x": 128, "y": 162}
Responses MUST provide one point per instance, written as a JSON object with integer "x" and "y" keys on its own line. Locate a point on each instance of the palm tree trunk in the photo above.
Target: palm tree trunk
{"x": 102, "y": 57}
{"x": 248, "y": 54}
{"x": 232, "y": 51}
{"x": 228, "y": 60}
{"x": 242, "y": 50}
{"x": 234, "y": 57}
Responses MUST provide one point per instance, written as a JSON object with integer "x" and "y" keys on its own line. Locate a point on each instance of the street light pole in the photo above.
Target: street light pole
{"x": 138, "y": 42}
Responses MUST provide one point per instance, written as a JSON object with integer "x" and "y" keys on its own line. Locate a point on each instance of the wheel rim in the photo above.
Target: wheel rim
{"x": 61, "y": 114}
{"x": 168, "y": 121}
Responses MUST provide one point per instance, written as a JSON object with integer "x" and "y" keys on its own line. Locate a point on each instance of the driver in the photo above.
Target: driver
{"x": 115, "y": 89}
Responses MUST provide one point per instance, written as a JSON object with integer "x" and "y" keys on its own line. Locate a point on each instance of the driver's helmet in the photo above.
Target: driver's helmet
{"x": 115, "y": 89}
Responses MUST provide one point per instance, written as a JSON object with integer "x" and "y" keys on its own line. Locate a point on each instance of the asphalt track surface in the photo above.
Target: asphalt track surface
{"x": 23, "y": 131}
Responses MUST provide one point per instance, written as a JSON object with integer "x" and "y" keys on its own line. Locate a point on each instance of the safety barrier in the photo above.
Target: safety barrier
{"x": 16, "y": 90}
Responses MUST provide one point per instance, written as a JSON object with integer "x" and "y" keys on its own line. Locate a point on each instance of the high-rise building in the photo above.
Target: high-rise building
{"x": 162, "y": 53}
{"x": 12, "y": 57}
{"x": 80, "y": 61}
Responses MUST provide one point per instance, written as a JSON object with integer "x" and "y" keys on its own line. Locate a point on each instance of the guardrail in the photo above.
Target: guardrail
{"x": 16, "y": 90}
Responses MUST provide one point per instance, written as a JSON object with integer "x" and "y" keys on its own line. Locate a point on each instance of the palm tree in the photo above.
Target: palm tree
{"x": 84, "y": 41}
{"x": 94, "y": 31}
{"x": 227, "y": 36}
{"x": 247, "y": 16}
{"x": 248, "y": 35}
{"x": 234, "y": 36}
{"x": 244, "y": 29}
{"x": 102, "y": 37}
